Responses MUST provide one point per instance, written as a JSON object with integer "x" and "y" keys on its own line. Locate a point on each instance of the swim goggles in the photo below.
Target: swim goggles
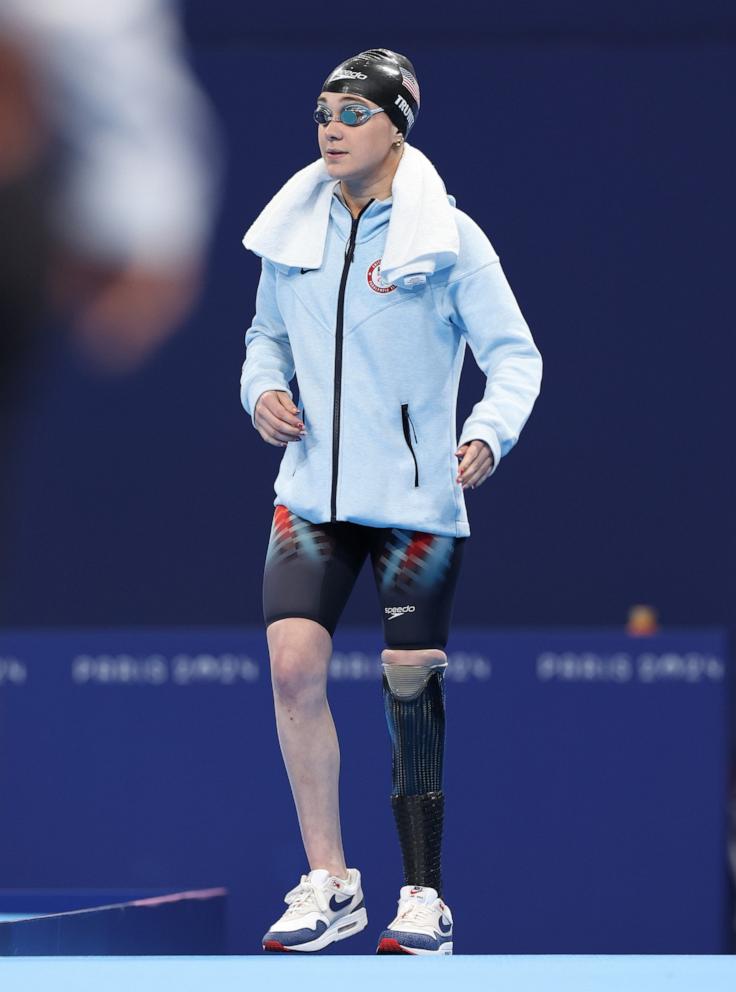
{"x": 352, "y": 114}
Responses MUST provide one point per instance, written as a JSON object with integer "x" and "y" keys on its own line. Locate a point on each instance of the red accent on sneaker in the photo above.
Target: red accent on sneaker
{"x": 389, "y": 945}
{"x": 275, "y": 945}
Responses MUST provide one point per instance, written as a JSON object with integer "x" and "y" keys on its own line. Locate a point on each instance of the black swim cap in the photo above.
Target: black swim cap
{"x": 385, "y": 78}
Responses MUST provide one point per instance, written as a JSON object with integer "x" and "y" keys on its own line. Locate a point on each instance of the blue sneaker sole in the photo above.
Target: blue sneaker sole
{"x": 392, "y": 945}
{"x": 342, "y": 927}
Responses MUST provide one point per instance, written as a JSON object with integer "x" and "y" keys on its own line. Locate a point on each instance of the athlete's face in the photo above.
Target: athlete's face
{"x": 355, "y": 153}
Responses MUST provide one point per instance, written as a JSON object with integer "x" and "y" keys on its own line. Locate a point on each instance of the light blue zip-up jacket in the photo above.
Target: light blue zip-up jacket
{"x": 378, "y": 369}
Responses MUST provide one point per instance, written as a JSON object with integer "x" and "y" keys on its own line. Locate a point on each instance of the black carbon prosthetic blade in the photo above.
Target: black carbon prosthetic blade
{"x": 417, "y": 729}
{"x": 419, "y": 820}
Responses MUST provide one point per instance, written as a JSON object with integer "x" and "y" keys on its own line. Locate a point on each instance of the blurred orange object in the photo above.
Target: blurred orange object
{"x": 642, "y": 621}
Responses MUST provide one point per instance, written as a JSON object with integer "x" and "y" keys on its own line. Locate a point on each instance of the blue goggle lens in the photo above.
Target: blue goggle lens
{"x": 352, "y": 116}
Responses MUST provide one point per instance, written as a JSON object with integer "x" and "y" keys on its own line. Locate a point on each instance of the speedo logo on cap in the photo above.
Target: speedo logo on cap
{"x": 405, "y": 109}
{"x": 346, "y": 74}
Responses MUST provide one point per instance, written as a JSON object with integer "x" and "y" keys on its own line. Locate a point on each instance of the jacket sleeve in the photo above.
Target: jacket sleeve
{"x": 269, "y": 362}
{"x": 484, "y": 308}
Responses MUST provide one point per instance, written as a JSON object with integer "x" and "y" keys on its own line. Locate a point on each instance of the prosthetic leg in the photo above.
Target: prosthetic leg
{"x": 414, "y": 700}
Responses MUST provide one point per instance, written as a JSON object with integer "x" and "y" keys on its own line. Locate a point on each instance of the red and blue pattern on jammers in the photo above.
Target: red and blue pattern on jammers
{"x": 311, "y": 569}
{"x": 413, "y": 559}
{"x": 292, "y": 536}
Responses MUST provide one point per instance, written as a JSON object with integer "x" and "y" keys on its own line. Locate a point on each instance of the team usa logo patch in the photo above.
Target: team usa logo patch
{"x": 374, "y": 278}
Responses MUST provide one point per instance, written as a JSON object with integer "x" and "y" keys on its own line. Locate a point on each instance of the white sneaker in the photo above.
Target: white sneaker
{"x": 423, "y": 924}
{"x": 322, "y": 908}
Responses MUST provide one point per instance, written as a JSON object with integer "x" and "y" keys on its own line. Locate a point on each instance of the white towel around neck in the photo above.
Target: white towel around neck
{"x": 422, "y": 234}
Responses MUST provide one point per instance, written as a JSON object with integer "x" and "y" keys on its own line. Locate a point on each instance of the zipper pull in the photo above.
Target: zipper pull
{"x": 350, "y": 247}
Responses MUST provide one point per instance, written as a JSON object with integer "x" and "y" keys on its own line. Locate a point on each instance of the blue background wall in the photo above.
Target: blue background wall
{"x": 585, "y": 777}
{"x": 594, "y": 146}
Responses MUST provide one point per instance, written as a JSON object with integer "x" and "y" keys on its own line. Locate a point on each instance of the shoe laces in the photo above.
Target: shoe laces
{"x": 304, "y": 894}
{"x": 418, "y": 912}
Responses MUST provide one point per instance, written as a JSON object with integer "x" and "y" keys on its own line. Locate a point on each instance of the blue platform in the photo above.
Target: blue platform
{"x": 38, "y": 922}
{"x": 543, "y": 973}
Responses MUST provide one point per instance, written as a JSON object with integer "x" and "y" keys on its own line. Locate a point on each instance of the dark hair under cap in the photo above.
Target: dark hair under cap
{"x": 385, "y": 78}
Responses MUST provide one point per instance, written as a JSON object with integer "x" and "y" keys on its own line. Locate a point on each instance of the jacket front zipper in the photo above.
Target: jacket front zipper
{"x": 349, "y": 252}
{"x": 406, "y": 421}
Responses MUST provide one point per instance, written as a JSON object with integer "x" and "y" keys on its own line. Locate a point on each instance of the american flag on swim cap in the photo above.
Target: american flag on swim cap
{"x": 411, "y": 84}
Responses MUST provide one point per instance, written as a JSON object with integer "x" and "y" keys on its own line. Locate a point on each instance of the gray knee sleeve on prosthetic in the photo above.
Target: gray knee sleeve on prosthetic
{"x": 414, "y": 700}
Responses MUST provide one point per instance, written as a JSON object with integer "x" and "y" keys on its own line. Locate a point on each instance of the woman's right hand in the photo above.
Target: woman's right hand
{"x": 276, "y": 419}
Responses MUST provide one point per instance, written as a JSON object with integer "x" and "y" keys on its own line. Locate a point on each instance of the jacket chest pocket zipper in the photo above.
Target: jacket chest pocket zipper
{"x": 407, "y": 424}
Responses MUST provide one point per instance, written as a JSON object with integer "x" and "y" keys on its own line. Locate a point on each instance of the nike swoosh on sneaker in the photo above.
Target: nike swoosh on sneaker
{"x": 335, "y": 905}
{"x": 444, "y": 927}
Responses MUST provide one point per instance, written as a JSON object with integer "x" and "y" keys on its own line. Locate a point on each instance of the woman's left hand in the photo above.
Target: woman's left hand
{"x": 476, "y": 463}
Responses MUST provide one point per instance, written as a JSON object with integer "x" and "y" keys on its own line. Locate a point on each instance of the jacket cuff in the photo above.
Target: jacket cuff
{"x": 249, "y": 397}
{"x": 482, "y": 433}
